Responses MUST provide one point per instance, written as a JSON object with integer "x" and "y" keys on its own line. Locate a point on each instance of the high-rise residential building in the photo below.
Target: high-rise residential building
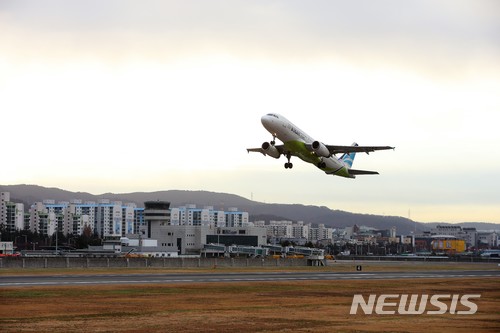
{"x": 235, "y": 218}
{"x": 11, "y": 213}
{"x": 128, "y": 219}
{"x": 109, "y": 218}
{"x": 190, "y": 215}
{"x": 80, "y": 216}
{"x": 138, "y": 219}
{"x": 279, "y": 229}
{"x": 58, "y": 214}
{"x": 320, "y": 233}
{"x": 4, "y": 199}
{"x": 41, "y": 220}
{"x": 300, "y": 230}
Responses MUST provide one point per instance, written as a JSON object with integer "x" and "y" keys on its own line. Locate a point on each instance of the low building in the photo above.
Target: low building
{"x": 6, "y": 248}
{"x": 447, "y": 244}
{"x": 470, "y": 235}
{"x": 185, "y": 239}
{"x": 488, "y": 239}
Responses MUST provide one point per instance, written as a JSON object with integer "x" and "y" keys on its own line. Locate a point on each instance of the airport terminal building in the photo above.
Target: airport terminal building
{"x": 191, "y": 236}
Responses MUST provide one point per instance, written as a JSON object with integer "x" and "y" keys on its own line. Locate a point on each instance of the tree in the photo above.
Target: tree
{"x": 285, "y": 243}
{"x": 309, "y": 244}
{"x": 88, "y": 237}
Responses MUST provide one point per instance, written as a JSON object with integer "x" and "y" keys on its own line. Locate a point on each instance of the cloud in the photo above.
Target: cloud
{"x": 445, "y": 36}
{"x": 185, "y": 82}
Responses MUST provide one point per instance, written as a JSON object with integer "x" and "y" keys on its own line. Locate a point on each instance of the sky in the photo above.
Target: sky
{"x": 136, "y": 96}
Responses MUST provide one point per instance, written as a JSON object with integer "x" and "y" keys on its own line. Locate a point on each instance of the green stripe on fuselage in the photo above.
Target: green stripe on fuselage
{"x": 299, "y": 149}
{"x": 343, "y": 173}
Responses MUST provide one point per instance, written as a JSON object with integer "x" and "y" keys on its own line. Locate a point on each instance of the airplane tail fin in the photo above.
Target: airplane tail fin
{"x": 349, "y": 158}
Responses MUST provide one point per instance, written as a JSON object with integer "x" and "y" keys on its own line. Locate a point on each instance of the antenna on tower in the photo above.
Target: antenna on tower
{"x": 414, "y": 222}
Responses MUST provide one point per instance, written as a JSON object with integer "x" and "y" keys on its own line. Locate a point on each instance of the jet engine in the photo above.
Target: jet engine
{"x": 270, "y": 150}
{"x": 320, "y": 149}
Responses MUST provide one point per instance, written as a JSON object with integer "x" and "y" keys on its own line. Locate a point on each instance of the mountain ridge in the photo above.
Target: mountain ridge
{"x": 28, "y": 194}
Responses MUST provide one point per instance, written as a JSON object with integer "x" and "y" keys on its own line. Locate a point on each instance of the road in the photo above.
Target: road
{"x": 158, "y": 278}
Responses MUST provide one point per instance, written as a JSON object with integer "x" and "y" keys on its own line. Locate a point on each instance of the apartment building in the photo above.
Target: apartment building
{"x": 11, "y": 214}
{"x": 190, "y": 215}
{"x": 299, "y": 230}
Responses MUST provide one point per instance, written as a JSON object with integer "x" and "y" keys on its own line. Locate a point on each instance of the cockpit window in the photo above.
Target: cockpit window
{"x": 273, "y": 115}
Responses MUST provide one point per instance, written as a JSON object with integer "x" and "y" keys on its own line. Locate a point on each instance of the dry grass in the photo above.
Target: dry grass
{"x": 319, "y": 306}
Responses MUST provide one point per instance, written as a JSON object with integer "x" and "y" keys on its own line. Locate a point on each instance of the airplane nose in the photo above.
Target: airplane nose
{"x": 266, "y": 120}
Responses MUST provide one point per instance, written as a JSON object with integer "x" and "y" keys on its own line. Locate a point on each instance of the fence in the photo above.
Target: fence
{"x": 422, "y": 258}
{"x": 120, "y": 262}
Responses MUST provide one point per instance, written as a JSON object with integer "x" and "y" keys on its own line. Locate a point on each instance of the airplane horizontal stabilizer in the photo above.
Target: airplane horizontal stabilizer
{"x": 354, "y": 172}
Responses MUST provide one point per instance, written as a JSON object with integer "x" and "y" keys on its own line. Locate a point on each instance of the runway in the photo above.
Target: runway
{"x": 158, "y": 278}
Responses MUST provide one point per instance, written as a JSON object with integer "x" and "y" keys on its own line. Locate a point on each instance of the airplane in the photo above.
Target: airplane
{"x": 297, "y": 143}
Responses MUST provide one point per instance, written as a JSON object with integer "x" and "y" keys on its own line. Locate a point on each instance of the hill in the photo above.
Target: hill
{"x": 29, "y": 194}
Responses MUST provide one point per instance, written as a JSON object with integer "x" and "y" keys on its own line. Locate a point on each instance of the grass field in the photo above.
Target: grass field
{"x": 319, "y": 306}
{"x": 238, "y": 307}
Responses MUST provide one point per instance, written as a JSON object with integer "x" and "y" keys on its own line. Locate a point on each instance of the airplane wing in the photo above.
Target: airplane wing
{"x": 280, "y": 150}
{"x": 355, "y": 149}
{"x": 256, "y": 150}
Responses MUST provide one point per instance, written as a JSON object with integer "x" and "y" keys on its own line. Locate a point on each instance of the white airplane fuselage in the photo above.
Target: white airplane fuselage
{"x": 295, "y": 140}
{"x": 297, "y": 143}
